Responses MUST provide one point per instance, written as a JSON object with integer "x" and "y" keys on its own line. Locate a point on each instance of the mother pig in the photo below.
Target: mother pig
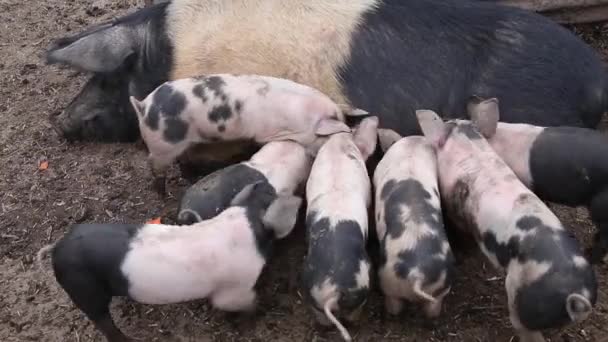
{"x": 388, "y": 57}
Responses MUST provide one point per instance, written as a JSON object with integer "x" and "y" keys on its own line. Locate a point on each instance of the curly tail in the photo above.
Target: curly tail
{"x": 327, "y": 308}
{"x": 418, "y": 291}
{"x": 40, "y": 256}
{"x": 188, "y": 215}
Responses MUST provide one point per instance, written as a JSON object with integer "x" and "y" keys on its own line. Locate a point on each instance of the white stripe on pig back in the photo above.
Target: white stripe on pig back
{"x": 339, "y": 186}
{"x": 410, "y": 157}
{"x": 305, "y": 35}
{"x": 284, "y": 163}
{"x": 169, "y": 264}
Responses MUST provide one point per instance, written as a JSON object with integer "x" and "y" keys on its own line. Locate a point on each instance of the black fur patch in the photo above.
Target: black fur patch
{"x": 176, "y": 130}
{"x": 219, "y": 113}
{"x": 211, "y": 195}
{"x": 238, "y": 106}
{"x": 215, "y": 84}
{"x": 335, "y": 253}
{"x": 542, "y": 304}
{"x": 528, "y": 222}
{"x": 568, "y": 165}
{"x": 423, "y": 258}
{"x": 166, "y": 103}
{"x": 258, "y": 201}
{"x": 410, "y": 193}
{"x": 199, "y": 91}
{"x": 503, "y": 252}
{"x": 468, "y": 38}
{"x": 87, "y": 261}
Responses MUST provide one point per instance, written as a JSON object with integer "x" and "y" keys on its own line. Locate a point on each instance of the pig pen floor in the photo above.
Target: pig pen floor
{"x": 109, "y": 183}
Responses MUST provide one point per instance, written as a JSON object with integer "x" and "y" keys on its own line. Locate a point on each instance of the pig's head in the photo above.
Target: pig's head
{"x": 550, "y": 284}
{"x": 129, "y": 56}
{"x": 482, "y": 126}
{"x": 277, "y": 213}
{"x": 387, "y": 138}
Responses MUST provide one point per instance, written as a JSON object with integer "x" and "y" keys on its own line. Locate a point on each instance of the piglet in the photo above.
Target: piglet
{"x": 220, "y": 258}
{"x": 566, "y": 165}
{"x": 283, "y": 164}
{"x": 226, "y": 107}
{"x": 548, "y": 281}
{"x": 417, "y": 263}
{"x": 338, "y": 192}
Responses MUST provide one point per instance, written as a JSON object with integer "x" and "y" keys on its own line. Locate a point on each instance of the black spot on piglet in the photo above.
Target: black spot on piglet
{"x": 199, "y": 91}
{"x": 221, "y": 112}
{"x": 528, "y": 222}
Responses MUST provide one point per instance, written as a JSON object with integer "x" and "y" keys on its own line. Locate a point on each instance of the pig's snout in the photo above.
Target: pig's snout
{"x": 578, "y": 307}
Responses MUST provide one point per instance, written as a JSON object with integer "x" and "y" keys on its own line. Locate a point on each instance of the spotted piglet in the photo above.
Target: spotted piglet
{"x": 226, "y": 107}
{"x": 548, "y": 281}
{"x": 566, "y": 165}
{"x": 283, "y": 164}
{"x": 417, "y": 263}
{"x": 220, "y": 258}
{"x": 337, "y": 267}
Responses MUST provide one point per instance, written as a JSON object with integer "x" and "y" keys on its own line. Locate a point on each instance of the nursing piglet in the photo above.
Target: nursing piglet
{"x": 220, "y": 259}
{"x": 283, "y": 164}
{"x": 417, "y": 263}
{"x": 226, "y": 107}
{"x": 337, "y": 267}
{"x": 548, "y": 281}
{"x": 566, "y": 165}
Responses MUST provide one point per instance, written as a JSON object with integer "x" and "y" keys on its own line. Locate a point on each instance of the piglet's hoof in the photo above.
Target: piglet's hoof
{"x": 158, "y": 185}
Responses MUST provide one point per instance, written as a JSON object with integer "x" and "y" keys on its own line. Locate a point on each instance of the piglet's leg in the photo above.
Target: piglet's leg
{"x": 530, "y": 336}
{"x": 109, "y": 329}
{"x": 432, "y": 310}
{"x": 599, "y": 214}
{"x": 159, "y": 165}
{"x": 393, "y": 305}
{"x": 236, "y": 299}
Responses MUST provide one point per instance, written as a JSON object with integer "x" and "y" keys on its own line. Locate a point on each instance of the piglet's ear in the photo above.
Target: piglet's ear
{"x": 484, "y": 114}
{"x": 387, "y": 138}
{"x": 282, "y": 214}
{"x": 349, "y": 110}
{"x": 432, "y": 126}
{"x": 138, "y": 106}
{"x": 327, "y": 127}
{"x": 366, "y": 136}
{"x": 242, "y": 196}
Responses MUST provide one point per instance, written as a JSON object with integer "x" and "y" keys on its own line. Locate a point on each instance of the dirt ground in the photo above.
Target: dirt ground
{"x": 110, "y": 183}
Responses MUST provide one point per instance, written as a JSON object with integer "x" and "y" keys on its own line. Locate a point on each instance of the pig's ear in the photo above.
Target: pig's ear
{"x": 349, "y": 110}
{"x": 327, "y": 127}
{"x": 387, "y": 138}
{"x": 484, "y": 114}
{"x": 366, "y": 136}
{"x": 242, "y": 196}
{"x": 103, "y": 48}
{"x": 138, "y": 106}
{"x": 432, "y": 126}
{"x": 282, "y": 214}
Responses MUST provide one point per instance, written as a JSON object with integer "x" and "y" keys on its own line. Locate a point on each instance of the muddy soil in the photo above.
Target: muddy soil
{"x": 110, "y": 183}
